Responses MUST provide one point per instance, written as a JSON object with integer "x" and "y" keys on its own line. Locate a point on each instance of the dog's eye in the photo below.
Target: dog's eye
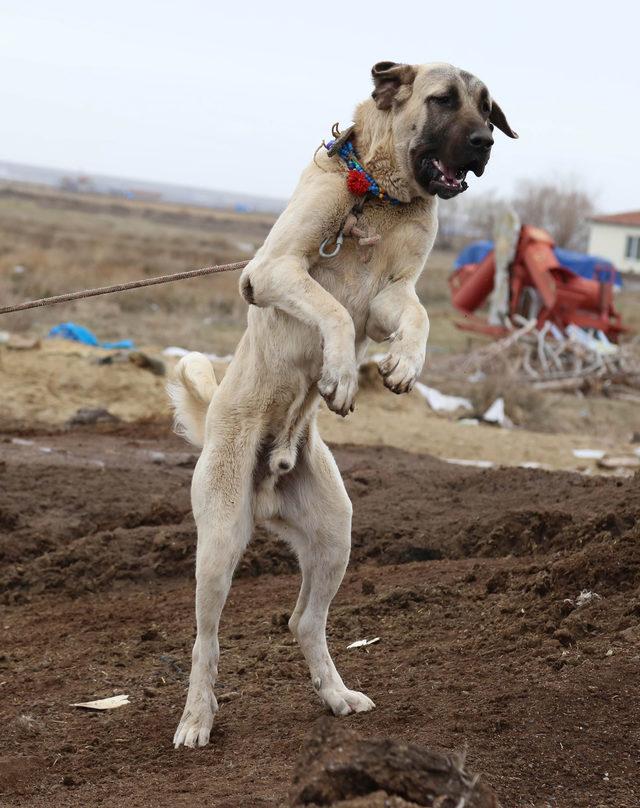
{"x": 442, "y": 100}
{"x": 486, "y": 108}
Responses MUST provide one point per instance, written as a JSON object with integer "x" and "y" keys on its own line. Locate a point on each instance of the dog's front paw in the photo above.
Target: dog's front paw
{"x": 338, "y": 385}
{"x": 344, "y": 702}
{"x": 196, "y": 722}
{"x": 399, "y": 370}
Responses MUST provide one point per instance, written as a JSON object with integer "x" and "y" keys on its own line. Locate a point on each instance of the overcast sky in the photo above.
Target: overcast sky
{"x": 236, "y": 96}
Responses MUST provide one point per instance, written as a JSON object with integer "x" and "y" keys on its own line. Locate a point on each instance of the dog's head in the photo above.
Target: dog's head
{"x": 443, "y": 120}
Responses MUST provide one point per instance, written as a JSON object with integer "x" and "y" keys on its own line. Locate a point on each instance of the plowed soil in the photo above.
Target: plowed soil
{"x": 469, "y": 577}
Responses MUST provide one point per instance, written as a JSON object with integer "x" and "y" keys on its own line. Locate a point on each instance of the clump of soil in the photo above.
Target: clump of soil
{"x": 339, "y": 768}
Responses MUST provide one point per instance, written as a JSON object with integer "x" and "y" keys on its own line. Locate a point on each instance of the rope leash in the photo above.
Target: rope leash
{"x": 122, "y": 287}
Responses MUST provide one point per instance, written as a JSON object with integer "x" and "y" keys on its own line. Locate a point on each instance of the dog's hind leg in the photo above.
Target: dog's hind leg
{"x": 317, "y": 511}
{"x": 221, "y": 495}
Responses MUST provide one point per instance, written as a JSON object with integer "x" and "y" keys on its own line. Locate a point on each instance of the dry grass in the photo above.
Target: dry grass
{"x": 68, "y": 242}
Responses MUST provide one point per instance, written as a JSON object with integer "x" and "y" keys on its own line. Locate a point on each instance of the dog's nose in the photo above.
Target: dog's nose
{"x": 481, "y": 139}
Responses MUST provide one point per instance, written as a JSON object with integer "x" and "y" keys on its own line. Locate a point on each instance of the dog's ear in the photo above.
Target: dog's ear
{"x": 499, "y": 119}
{"x": 392, "y": 82}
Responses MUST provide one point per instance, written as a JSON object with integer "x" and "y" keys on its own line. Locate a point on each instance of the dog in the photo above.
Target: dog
{"x": 309, "y": 321}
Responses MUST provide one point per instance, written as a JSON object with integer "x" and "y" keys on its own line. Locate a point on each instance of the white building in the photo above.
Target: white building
{"x": 617, "y": 238}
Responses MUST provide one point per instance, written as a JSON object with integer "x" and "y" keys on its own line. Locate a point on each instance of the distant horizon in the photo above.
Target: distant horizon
{"x": 77, "y": 172}
{"x": 279, "y": 202}
{"x": 52, "y": 176}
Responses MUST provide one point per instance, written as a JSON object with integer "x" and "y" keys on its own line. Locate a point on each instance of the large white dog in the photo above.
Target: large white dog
{"x": 309, "y": 322}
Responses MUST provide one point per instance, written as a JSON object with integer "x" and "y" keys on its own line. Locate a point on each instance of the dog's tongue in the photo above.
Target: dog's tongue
{"x": 448, "y": 173}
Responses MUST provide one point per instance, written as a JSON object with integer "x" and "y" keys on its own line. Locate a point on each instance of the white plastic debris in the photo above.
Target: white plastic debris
{"x": 175, "y": 350}
{"x": 22, "y": 442}
{"x": 619, "y": 462}
{"x": 585, "y": 597}
{"x": 477, "y": 376}
{"x": 440, "y": 402}
{"x": 495, "y": 414}
{"x": 104, "y": 704}
{"x": 589, "y": 454}
{"x": 599, "y": 343}
{"x": 362, "y": 643}
{"x": 479, "y": 464}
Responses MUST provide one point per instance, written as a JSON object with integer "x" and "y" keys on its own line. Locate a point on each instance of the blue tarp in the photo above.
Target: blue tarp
{"x": 473, "y": 253}
{"x": 587, "y": 266}
{"x": 79, "y": 333}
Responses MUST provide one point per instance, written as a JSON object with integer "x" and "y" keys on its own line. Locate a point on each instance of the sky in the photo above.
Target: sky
{"x": 237, "y": 95}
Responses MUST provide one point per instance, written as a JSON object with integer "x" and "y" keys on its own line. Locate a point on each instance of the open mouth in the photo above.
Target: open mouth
{"x": 438, "y": 178}
{"x": 450, "y": 177}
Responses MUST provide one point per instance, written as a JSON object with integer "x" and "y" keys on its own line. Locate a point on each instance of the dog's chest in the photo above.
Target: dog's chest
{"x": 366, "y": 260}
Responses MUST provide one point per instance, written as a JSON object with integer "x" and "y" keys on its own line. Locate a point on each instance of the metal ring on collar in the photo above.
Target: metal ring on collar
{"x": 336, "y": 250}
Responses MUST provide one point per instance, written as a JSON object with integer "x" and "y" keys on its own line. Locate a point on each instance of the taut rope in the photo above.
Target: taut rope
{"x": 122, "y": 287}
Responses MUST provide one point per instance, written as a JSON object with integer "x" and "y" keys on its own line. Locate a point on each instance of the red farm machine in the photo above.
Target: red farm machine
{"x": 542, "y": 282}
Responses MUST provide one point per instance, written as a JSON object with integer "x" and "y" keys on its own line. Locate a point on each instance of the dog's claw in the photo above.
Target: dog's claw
{"x": 399, "y": 372}
{"x": 338, "y": 388}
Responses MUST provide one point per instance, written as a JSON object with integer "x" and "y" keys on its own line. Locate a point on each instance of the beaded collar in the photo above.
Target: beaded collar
{"x": 359, "y": 181}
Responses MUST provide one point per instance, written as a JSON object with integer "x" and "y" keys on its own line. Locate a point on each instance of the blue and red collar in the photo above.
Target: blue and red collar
{"x": 359, "y": 181}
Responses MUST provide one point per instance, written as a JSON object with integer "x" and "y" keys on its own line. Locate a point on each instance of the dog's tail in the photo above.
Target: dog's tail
{"x": 191, "y": 391}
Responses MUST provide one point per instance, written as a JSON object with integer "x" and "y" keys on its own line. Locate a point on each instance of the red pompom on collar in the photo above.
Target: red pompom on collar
{"x": 357, "y": 182}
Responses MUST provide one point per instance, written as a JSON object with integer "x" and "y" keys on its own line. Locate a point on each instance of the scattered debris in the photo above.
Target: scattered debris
{"x": 85, "y": 416}
{"x": 178, "y": 353}
{"x": 78, "y": 333}
{"x": 363, "y": 643}
{"x": 440, "y": 402}
{"x": 22, "y": 441}
{"x": 480, "y": 464}
{"x": 496, "y": 414}
{"x": 17, "y": 342}
{"x": 619, "y": 462}
{"x": 141, "y": 360}
{"x": 549, "y": 359}
{"x": 179, "y": 459}
{"x": 138, "y": 358}
{"x": 589, "y": 454}
{"x": 585, "y": 597}
{"x": 110, "y": 703}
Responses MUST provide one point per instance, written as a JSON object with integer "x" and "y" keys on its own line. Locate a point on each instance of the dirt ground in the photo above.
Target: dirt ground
{"x": 469, "y": 577}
